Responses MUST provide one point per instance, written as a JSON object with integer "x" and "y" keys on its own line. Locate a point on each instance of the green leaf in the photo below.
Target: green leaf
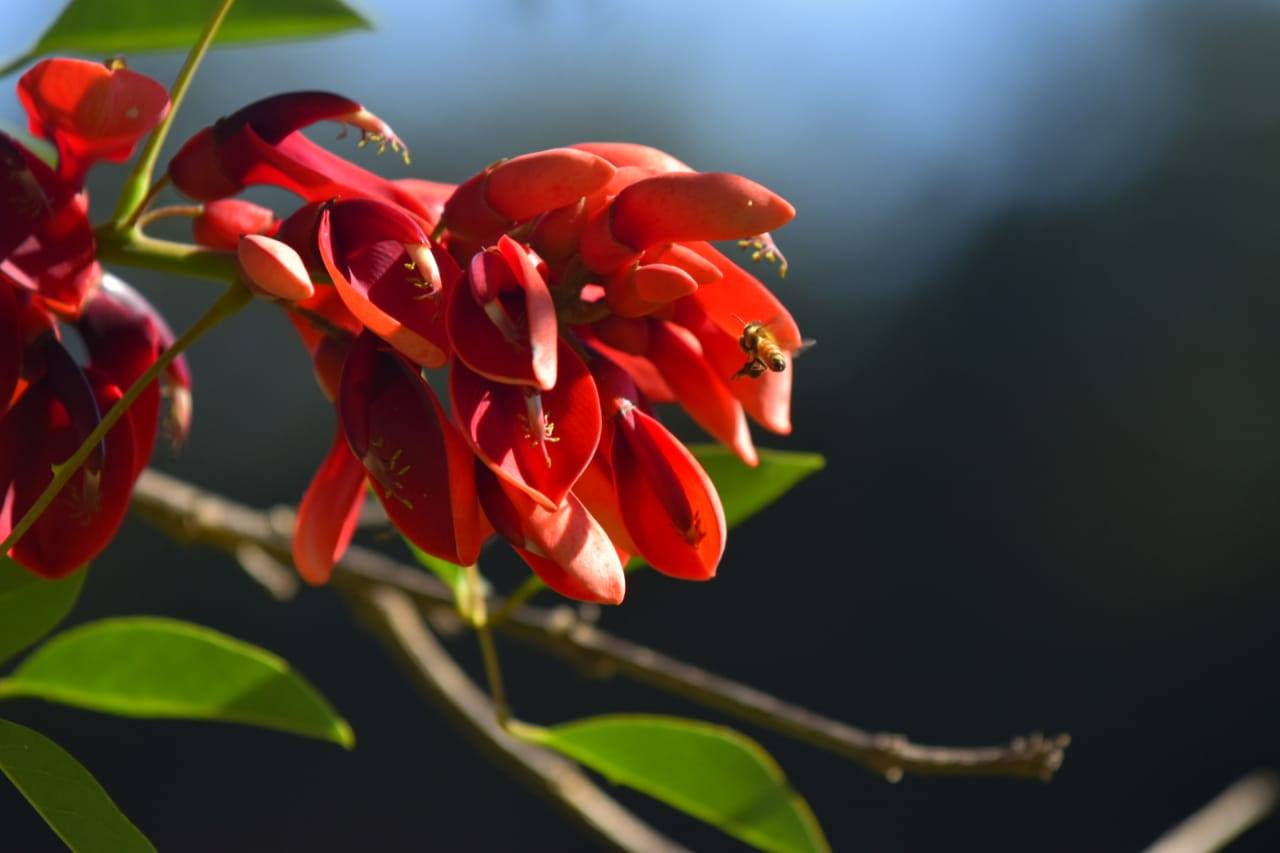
{"x": 710, "y": 772}
{"x": 30, "y": 605}
{"x": 111, "y": 27}
{"x": 745, "y": 491}
{"x": 142, "y": 666}
{"x": 65, "y": 794}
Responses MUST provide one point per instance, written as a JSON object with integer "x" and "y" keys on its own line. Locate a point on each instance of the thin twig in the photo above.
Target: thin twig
{"x": 394, "y": 616}
{"x": 194, "y": 515}
{"x": 1249, "y": 799}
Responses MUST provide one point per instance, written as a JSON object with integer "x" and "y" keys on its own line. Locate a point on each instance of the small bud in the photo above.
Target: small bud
{"x": 274, "y": 270}
{"x": 225, "y": 221}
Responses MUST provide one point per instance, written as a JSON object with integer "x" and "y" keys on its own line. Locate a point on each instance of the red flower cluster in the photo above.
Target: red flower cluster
{"x": 564, "y": 291}
{"x": 51, "y": 281}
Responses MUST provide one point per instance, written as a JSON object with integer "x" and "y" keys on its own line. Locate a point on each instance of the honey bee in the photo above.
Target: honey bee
{"x": 763, "y": 351}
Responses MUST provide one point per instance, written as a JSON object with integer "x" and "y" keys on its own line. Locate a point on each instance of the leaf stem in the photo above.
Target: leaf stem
{"x": 235, "y": 298}
{"x": 136, "y": 187}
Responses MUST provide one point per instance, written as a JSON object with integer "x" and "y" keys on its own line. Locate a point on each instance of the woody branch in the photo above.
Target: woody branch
{"x": 190, "y": 514}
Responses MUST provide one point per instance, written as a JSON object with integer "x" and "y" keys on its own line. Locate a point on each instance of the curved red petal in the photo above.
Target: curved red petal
{"x": 10, "y": 345}
{"x": 329, "y": 512}
{"x": 502, "y": 320}
{"x": 392, "y": 299}
{"x": 90, "y": 110}
{"x": 766, "y": 398}
{"x": 682, "y": 206}
{"x": 740, "y": 298}
{"x": 699, "y": 389}
{"x": 633, "y": 154}
{"x": 539, "y": 442}
{"x": 669, "y": 505}
{"x": 566, "y": 547}
{"x": 86, "y": 514}
{"x": 418, "y": 465}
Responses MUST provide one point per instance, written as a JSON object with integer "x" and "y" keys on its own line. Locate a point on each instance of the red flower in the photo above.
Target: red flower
{"x": 46, "y": 241}
{"x": 383, "y": 266}
{"x": 556, "y": 286}
{"x": 537, "y": 441}
{"x": 417, "y": 463}
{"x": 502, "y": 320}
{"x": 47, "y": 424}
{"x": 222, "y": 223}
{"x": 262, "y": 144}
{"x": 90, "y": 111}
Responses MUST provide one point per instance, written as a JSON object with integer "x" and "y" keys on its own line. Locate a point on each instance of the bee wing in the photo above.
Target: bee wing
{"x": 805, "y": 345}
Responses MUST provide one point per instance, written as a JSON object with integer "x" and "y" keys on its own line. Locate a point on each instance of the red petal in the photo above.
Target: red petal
{"x": 699, "y": 389}
{"x": 631, "y": 154}
{"x": 740, "y": 298}
{"x": 46, "y": 241}
{"x": 328, "y": 513}
{"x": 91, "y": 111}
{"x": 683, "y": 206}
{"x": 502, "y": 322}
{"x": 519, "y": 189}
{"x": 10, "y": 346}
{"x": 501, "y": 426}
{"x": 566, "y": 547}
{"x": 418, "y": 465}
{"x": 668, "y": 503}
{"x": 369, "y": 271}
{"x": 766, "y": 398}
{"x": 85, "y": 515}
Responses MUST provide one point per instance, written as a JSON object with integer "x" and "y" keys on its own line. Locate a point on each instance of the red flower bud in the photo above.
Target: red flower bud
{"x": 224, "y": 222}
{"x": 518, "y": 189}
{"x": 630, "y": 154}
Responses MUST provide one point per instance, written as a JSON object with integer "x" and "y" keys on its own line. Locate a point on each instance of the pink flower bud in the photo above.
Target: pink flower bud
{"x": 274, "y": 270}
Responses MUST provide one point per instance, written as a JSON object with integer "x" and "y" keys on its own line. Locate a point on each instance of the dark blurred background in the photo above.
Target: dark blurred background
{"x": 1037, "y": 242}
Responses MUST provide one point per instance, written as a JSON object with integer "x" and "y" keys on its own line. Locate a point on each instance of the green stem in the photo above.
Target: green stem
{"x": 139, "y": 182}
{"x": 135, "y": 249}
{"x": 146, "y": 217}
{"x": 492, "y": 668}
{"x": 527, "y": 590}
{"x": 235, "y": 298}
{"x": 493, "y": 673}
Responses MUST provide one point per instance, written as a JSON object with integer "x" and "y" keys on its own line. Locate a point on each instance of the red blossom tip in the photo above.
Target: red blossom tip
{"x": 632, "y": 154}
{"x": 684, "y": 206}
